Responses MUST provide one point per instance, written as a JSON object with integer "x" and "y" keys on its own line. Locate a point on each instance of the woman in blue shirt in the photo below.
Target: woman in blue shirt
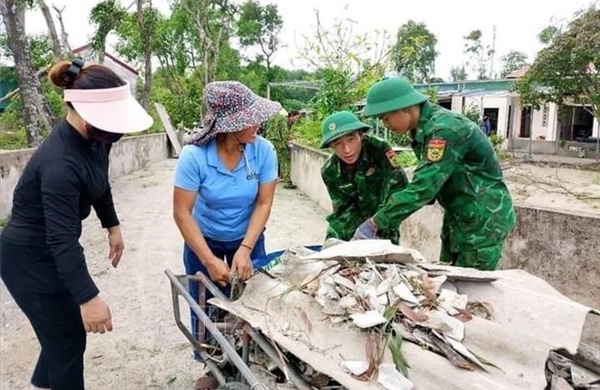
{"x": 224, "y": 185}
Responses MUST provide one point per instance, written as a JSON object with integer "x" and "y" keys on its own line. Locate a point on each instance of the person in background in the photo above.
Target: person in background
{"x": 458, "y": 167}
{"x": 42, "y": 263}
{"x": 293, "y": 117}
{"x": 360, "y": 175}
{"x": 224, "y": 187}
{"x": 279, "y": 133}
{"x": 487, "y": 126}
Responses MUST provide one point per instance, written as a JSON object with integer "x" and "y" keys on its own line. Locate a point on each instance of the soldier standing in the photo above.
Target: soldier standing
{"x": 359, "y": 176}
{"x": 457, "y": 167}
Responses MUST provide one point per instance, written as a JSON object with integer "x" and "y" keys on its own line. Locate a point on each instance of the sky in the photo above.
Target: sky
{"x": 517, "y": 22}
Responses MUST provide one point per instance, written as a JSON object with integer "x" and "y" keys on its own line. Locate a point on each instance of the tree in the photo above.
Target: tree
{"x": 56, "y": 45}
{"x": 347, "y": 63}
{"x": 567, "y": 70}
{"x": 146, "y": 18}
{"x": 458, "y": 73}
{"x": 512, "y": 61}
{"x": 106, "y": 16}
{"x": 36, "y": 114}
{"x": 339, "y": 47}
{"x": 260, "y": 26}
{"x": 546, "y": 36}
{"x": 479, "y": 54}
{"x": 213, "y": 23}
{"x": 64, "y": 37}
{"x": 414, "y": 53}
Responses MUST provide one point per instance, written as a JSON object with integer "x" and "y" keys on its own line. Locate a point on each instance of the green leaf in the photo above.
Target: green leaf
{"x": 395, "y": 346}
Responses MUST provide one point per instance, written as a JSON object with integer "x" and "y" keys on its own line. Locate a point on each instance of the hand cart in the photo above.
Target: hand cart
{"x": 225, "y": 330}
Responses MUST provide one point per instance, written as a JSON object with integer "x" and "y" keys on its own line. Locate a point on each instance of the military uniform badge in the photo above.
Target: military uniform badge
{"x": 435, "y": 149}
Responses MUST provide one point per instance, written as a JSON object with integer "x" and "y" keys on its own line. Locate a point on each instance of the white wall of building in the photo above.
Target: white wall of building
{"x": 90, "y": 56}
{"x": 482, "y": 102}
{"x": 457, "y": 104}
{"x": 545, "y": 121}
{"x": 124, "y": 73}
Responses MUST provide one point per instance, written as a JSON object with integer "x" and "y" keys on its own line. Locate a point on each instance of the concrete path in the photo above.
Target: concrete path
{"x": 146, "y": 350}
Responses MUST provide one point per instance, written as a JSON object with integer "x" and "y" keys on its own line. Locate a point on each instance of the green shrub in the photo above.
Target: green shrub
{"x": 496, "y": 141}
{"x": 307, "y": 132}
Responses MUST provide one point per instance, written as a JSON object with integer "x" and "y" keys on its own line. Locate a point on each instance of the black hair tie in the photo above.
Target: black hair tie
{"x": 73, "y": 71}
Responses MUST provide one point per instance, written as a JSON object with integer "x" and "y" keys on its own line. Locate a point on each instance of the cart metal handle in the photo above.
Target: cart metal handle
{"x": 177, "y": 288}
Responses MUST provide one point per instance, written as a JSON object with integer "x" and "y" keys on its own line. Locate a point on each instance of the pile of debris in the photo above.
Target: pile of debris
{"x": 394, "y": 298}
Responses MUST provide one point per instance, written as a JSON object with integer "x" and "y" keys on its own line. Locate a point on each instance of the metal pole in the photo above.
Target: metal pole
{"x": 295, "y": 377}
{"x": 210, "y": 326}
{"x": 212, "y": 367}
{"x": 597, "y": 140}
{"x": 268, "y": 90}
{"x": 530, "y": 130}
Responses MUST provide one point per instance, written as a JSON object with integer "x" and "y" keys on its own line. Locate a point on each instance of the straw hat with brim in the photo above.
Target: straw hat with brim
{"x": 338, "y": 125}
{"x": 392, "y": 94}
{"x": 110, "y": 109}
{"x": 232, "y": 107}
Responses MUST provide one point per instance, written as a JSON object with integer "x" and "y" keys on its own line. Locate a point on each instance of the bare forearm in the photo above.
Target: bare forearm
{"x": 193, "y": 236}
{"x": 258, "y": 220}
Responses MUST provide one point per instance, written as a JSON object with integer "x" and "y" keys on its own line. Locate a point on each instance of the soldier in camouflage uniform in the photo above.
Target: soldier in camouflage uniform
{"x": 359, "y": 176}
{"x": 278, "y": 132}
{"x": 457, "y": 167}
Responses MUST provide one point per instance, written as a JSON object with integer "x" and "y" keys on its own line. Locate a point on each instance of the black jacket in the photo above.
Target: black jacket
{"x": 65, "y": 178}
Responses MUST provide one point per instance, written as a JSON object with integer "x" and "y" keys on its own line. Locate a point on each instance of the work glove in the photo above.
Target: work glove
{"x": 366, "y": 231}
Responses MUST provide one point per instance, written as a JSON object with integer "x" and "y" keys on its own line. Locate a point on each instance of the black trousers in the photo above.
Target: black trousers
{"x": 30, "y": 276}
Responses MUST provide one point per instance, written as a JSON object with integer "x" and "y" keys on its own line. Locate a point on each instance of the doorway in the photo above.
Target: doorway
{"x": 492, "y": 115}
{"x": 525, "y": 130}
{"x": 583, "y": 123}
{"x": 446, "y": 104}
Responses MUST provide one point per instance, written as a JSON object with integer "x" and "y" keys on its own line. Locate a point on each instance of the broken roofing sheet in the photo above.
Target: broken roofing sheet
{"x": 373, "y": 315}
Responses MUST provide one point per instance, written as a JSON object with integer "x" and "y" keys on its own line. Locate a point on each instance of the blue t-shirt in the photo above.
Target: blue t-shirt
{"x": 226, "y": 199}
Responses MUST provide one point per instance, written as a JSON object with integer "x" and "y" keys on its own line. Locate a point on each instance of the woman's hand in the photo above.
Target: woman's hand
{"x": 218, "y": 271}
{"x": 96, "y": 316}
{"x": 242, "y": 264}
{"x": 116, "y": 245}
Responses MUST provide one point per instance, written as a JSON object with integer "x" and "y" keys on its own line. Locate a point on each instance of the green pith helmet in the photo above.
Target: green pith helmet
{"x": 392, "y": 94}
{"x": 339, "y": 124}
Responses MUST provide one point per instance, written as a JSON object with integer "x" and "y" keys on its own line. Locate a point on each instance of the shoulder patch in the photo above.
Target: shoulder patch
{"x": 391, "y": 156}
{"x": 435, "y": 149}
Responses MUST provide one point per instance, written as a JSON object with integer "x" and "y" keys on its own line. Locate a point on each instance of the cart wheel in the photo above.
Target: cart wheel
{"x": 234, "y": 386}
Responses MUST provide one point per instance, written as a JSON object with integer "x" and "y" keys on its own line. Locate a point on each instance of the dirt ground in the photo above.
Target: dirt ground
{"x": 146, "y": 350}
{"x": 557, "y": 188}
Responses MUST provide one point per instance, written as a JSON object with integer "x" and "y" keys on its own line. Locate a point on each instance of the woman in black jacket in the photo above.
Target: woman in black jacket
{"x": 42, "y": 263}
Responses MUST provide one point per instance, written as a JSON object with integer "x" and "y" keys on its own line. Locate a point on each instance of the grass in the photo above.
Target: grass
{"x": 12, "y": 140}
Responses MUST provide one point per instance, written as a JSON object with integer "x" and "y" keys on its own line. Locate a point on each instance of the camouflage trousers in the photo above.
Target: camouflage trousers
{"x": 485, "y": 257}
{"x": 284, "y": 159}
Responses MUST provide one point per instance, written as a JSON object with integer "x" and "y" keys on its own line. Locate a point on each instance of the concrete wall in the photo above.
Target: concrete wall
{"x": 127, "y": 155}
{"x": 561, "y": 248}
{"x": 570, "y": 149}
